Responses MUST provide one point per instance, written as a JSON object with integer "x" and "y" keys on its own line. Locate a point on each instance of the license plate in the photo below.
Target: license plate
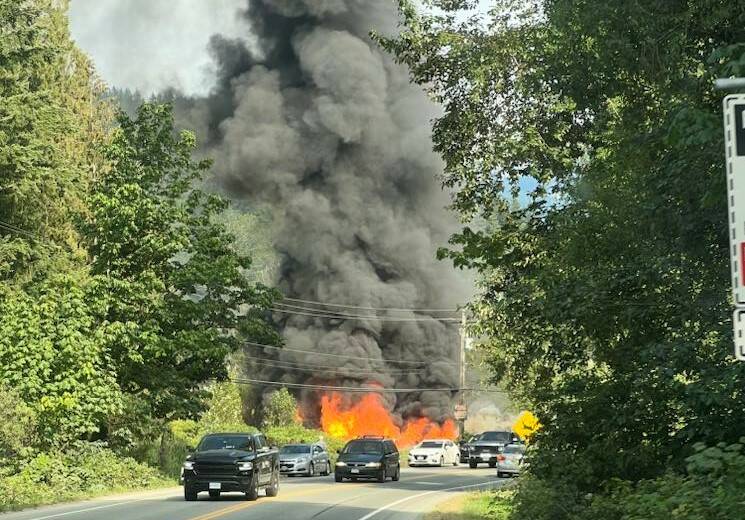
{"x": 215, "y": 485}
{"x": 486, "y": 455}
{"x": 355, "y": 471}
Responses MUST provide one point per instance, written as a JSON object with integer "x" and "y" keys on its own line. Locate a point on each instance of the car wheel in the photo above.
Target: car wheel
{"x": 311, "y": 470}
{"x": 273, "y": 489}
{"x": 337, "y": 477}
{"x": 473, "y": 464}
{"x": 381, "y": 475}
{"x": 492, "y": 464}
{"x": 252, "y": 493}
{"x": 397, "y": 474}
{"x": 214, "y": 493}
{"x": 190, "y": 495}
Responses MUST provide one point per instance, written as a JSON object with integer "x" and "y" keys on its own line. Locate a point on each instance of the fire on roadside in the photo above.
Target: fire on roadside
{"x": 369, "y": 416}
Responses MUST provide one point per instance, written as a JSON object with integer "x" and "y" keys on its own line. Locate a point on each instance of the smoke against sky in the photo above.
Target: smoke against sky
{"x": 150, "y": 45}
{"x": 309, "y": 117}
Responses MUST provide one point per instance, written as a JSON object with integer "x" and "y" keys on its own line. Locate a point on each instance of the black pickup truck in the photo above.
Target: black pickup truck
{"x": 227, "y": 462}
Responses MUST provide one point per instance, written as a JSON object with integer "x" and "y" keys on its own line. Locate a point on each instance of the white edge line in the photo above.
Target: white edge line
{"x": 412, "y": 497}
{"x": 105, "y": 506}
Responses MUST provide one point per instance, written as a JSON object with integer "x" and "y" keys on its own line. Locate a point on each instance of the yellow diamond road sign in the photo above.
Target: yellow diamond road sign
{"x": 526, "y": 425}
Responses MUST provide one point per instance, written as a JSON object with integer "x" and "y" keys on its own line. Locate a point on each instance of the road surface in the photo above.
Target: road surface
{"x": 318, "y": 498}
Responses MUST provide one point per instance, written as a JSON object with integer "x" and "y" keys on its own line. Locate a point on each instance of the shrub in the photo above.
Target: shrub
{"x": 712, "y": 488}
{"x": 86, "y": 470}
{"x": 280, "y": 409}
{"x": 17, "y": 430}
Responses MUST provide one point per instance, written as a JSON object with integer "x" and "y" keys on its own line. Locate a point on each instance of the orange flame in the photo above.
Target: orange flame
{"x": 369, "y": 416}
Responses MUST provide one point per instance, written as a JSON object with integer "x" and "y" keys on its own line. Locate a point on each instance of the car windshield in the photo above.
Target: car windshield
{"x": 430, "y": 444}
{"x": 514, "y": 449}
{"x": 226, "y": 442}
{"x": 495, "y": 436}
{"x": 297, "y": 448}
{"x": 370, "y": 447}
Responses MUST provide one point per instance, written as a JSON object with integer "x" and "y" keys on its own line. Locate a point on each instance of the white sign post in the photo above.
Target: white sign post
{"x": 734, "y": 140}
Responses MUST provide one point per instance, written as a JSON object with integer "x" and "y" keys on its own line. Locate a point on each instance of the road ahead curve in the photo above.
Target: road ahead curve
{"x": 319, "y": 498}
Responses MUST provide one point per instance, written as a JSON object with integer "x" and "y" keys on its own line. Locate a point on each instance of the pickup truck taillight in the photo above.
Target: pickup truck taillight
{"x": 501, "y": 458}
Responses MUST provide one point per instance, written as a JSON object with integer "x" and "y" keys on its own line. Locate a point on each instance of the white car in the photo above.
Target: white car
{"x": 434, "y": 452}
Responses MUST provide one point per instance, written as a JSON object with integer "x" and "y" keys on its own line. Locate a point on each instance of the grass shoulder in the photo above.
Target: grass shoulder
{"x": 482, "y": 505}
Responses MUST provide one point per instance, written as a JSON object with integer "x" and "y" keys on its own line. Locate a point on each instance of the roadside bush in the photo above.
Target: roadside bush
{"x": 86, "y": 470}
{"x": 712, "y": 488}
{"x": 17, "y": 430}
{"x": 280, "y": 409}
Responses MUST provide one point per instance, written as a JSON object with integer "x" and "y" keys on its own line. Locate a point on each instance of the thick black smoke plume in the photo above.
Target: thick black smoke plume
{"x": 319, "y": 124}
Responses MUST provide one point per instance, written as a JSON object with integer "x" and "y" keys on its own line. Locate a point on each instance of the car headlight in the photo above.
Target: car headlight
{"x": 372, "y": 465}
{"x": 341, "y": 463}
{"x": 188, "y": 465}
{"x": 245, "y": 466}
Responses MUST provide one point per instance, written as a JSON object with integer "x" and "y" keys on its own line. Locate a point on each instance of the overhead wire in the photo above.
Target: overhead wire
{"x": 375, "y": 318}
{"x": 367, "y": 389}
{"x": 357, "y": 307}
{"x": 347, "y": 356}
{"x": 15, "y": 229}
{"x": 316, "y": 367}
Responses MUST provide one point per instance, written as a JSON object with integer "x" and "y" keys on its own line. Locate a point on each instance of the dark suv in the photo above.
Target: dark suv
{"x": 368, "y": 457}
{"x": 232, "y": 462}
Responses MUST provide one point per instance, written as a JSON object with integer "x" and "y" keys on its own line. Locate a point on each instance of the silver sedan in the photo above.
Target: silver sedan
{"x": 510, "y": 461}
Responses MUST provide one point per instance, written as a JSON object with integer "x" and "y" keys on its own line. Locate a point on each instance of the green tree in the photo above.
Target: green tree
{"x": 280, "y": 409}
{"x": 52, "y": 353}
{"x": 174, "y": 293}
{"x": 605, "y": 298}
{"x": 50, "y": 123}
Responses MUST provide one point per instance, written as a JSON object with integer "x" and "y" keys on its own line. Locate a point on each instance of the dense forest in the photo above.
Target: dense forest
{"x": 122, "y": 292}
{"x": 605, "y": 297}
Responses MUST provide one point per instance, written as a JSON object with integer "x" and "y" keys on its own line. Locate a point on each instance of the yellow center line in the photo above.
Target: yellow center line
{"x": 262, "y": 500}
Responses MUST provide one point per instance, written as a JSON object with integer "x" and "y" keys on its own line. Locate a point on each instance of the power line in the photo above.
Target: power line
{"x": 311, "y": 367}
{"x": 16, "y": 229}
{"x": 346, "y": 356}
{"x": 363, "y": 389}
{"x": 375, "y": 318}
{"x": 339, "y": 305}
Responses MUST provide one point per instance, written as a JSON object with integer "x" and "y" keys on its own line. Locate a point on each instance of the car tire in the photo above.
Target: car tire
{"x": 397, "y": 475}
{"x": 273, "y": 489}
{"x": 214, "y": 493}
{"x": 337, "y": 477}
{"x": 311, "y": 470}
{"x": 190, "y": 495}
{"x": 252, "y": 493}
{"x": 381, "y": 476}
{"x": 326, "y": 469}
{"x": 472, "y": 464}
{"x": 492, "y": 464}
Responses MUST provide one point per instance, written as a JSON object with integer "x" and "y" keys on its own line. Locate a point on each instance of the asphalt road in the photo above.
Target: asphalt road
{"x": 317, "y": 498}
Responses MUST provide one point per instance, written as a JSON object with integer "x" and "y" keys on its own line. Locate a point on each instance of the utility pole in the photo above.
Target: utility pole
{"x": 460, "y": 412}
